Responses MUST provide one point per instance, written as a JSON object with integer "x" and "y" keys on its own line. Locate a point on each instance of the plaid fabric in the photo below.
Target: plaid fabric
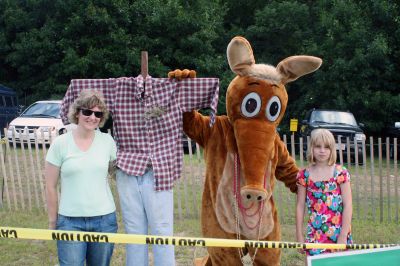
{"x": 147, "y": 116}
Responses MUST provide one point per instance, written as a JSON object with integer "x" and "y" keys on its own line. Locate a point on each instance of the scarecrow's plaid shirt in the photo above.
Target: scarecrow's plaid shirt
{"x": 147, "y": 119}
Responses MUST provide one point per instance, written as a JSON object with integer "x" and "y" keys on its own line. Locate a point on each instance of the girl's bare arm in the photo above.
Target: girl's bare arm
{"x": 347, "y": 212}
{"x": 300, "y": 205}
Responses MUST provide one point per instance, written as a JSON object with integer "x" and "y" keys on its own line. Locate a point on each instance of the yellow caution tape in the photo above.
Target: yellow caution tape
{"x": 43, "y": 234}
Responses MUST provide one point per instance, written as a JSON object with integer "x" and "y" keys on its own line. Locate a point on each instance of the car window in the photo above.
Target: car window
{"x": 333, "y": 117}
{"x": 43, "y": 110}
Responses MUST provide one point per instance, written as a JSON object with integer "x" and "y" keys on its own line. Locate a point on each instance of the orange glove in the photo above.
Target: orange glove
{"x": 181, "y": 74}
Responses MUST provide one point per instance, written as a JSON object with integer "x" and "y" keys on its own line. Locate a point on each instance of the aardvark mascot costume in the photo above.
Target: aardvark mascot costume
{"x": 244, "y": 155}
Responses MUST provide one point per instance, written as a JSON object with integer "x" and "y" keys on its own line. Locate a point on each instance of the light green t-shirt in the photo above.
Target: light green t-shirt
{"x": 85, "y": 190}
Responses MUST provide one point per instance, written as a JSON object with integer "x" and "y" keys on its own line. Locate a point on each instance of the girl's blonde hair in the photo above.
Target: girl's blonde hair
{"x": 324, "y": 137}
{"x": 88, "y": 99}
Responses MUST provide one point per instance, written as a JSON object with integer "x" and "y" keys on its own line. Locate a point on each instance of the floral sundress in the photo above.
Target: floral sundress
{"x": 325, "y": 208}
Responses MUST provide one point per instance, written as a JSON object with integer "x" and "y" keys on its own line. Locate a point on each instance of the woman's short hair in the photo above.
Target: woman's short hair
{"x": 324, "y": 137}
{"x": 88, "y": 99}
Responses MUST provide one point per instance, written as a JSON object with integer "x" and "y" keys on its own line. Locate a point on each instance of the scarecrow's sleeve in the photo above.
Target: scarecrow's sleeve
{"x": 198, "y": 93}
{"x": 286, "y": 169}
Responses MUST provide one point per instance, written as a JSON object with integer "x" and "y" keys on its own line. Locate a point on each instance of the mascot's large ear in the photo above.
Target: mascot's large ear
{"x": 240, "y": 55}
{"x": 294, "y": 67}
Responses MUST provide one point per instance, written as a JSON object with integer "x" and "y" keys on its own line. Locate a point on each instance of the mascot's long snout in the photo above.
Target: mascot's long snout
{"x": 255, "y": 145}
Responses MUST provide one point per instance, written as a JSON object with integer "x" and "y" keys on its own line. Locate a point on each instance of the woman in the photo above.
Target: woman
{"x": 81, "y": 159}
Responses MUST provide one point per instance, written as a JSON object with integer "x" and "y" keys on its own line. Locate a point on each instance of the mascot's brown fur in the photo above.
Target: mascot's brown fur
{"x": 244, "y": 155}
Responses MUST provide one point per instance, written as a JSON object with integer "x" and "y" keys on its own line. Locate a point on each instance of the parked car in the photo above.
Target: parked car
{"x": 42, "y": 116}
{"x": 8, "y": 107}
{"x": 342, "y": 124}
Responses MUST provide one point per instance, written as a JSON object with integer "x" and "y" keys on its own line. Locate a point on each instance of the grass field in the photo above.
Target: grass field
{"x": 40, "y": 252}
{"x": 188, "y": 194}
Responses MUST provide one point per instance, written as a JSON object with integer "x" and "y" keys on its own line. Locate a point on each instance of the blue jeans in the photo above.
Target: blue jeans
{"x": 145, "y": 211}
{"x": 75, "y": 253}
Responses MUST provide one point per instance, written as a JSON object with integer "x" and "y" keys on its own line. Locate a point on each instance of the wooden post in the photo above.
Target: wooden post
{"x": 396, "y": 185}
{"x": 144, "y": 64}
{"x": 4, "y": 189}
{"x": 357, "y": 182}
{"x": 380, "y": 180}
{"x": 32, "y": 171}
{"x": 192, "y": 178}
{"x": 340, "y": 149}
{"x": 25, "y": 167}
{"x": 371, "y": 150}
{"x": 348, "y": 148}
{"x": 282, "y": 202}
{"x": 292, "y": 146}
{"x": 39, "y": 167}
{"x": 301, "y": 153}
{"x": 17, "y": 167}
{"x": 388, "y": 178}
{"x": 7, "y": 149}
{"x": 366, "y": 204}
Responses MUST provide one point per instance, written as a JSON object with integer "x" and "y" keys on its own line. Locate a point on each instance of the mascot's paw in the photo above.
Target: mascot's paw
{"x": 181, "y": 74}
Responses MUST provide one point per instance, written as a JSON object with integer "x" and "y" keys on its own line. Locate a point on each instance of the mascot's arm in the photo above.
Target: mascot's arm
{"x": 196, "y": 126}
{"x": 286, "y": 169}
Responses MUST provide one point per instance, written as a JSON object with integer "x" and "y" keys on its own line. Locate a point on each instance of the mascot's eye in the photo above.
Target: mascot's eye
{"x": 273, "y": 108}
{"x": 251, "y": 104}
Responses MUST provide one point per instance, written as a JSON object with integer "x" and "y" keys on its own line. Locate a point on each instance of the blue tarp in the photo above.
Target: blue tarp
{"x": 6, "y": 90}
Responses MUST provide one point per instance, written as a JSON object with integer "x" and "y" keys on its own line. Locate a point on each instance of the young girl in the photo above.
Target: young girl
{"x": 325, "y": 187}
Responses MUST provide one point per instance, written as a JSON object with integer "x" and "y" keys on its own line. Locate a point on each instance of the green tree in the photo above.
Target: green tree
{"x": 45, "y": 43}
{"x": 45, "y": 48}
{"x": 358, "y": 42}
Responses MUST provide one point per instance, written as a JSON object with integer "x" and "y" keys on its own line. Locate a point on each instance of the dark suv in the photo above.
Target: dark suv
{"x": 342, "y": 124}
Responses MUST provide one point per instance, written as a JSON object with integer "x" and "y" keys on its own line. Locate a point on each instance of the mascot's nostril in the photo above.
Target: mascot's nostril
{"x": 248, "y": 196}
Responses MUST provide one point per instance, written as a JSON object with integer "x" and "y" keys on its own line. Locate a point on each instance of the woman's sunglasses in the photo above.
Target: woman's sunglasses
{"x": 87, "y": 112}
